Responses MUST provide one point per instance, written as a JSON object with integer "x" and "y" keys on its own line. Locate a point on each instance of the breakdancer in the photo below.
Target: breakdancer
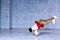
{"x": 40, "y": 24}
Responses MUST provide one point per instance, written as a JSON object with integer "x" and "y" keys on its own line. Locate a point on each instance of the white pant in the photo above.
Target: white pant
{"x": 34, "y": 27}
{"x": 36, "y": 32}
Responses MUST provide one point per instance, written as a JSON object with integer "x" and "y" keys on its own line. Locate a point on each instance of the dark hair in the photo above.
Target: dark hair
{"x": 30, "y": 29}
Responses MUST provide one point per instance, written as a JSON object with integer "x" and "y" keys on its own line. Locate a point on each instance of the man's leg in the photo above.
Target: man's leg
{"x": 53, "y": 19}
{"x": 48, "y": 21}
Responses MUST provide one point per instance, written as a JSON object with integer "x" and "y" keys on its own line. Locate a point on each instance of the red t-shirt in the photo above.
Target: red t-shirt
{"x": 39, "y": 25}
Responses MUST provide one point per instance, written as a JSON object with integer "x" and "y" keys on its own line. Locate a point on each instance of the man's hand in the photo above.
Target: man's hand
{"x": 35, "y": 35}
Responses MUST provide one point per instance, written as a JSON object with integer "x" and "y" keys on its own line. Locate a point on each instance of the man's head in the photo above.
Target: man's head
{"x": 30, "y": 29}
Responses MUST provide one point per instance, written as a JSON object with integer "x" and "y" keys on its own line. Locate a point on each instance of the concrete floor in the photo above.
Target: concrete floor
{"x": 24, "y": 34}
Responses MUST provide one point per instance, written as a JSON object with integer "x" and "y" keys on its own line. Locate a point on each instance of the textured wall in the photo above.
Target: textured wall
{"x": 25, "y": 12}
{"x": 4, "y": 14}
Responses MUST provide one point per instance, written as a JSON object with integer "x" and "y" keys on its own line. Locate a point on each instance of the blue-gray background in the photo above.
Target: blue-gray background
{"x": 25, "y": 12}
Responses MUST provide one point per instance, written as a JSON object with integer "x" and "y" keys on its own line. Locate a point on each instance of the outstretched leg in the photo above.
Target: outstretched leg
{"x": 47, "y": 21}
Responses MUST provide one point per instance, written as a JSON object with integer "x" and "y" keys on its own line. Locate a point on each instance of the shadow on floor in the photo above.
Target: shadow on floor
{"x": 45, "y": 33}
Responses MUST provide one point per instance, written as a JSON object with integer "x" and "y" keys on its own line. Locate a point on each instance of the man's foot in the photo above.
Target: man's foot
{"x": 53, "y": 21}
{"x": 35, "y": 36}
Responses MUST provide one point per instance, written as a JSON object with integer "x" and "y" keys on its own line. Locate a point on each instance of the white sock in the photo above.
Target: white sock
{"x": 53, "y": 21}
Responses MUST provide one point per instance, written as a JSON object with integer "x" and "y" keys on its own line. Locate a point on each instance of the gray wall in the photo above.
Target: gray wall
{"x": 25, "y": 12}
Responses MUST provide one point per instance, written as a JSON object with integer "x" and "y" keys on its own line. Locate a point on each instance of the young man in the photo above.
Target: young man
{"x": 40, "y": 24}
